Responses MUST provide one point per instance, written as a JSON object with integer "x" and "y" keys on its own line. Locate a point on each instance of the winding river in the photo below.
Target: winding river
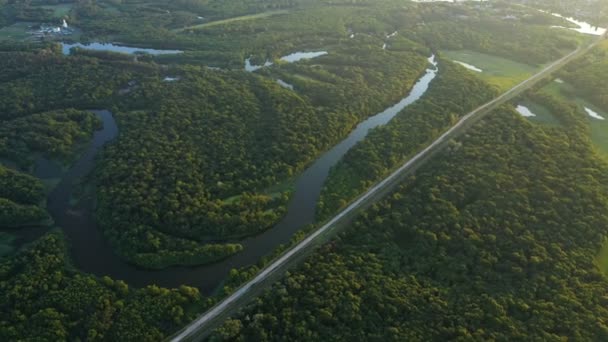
{"x": 91, "y": 253}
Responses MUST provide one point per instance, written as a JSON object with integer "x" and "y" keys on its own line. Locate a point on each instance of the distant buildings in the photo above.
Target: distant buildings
{"x": 45, "y": 30}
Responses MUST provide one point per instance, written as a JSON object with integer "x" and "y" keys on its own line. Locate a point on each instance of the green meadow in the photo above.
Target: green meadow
{"x": 229, "y": 20}
{"x": 501, "y": 72}
{"x": 599, "y": 128}
{"x": 17, "y": 31}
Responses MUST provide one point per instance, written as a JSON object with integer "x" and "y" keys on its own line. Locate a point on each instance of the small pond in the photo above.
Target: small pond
{"x": 65, "y": 47}
{"x": 469, "y": 66}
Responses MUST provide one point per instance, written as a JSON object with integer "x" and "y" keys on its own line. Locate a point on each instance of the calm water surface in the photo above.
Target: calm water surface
{"x": 65, "y": 48}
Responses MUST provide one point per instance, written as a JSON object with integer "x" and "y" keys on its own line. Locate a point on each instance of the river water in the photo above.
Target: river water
{"x": 91, "y": 253}
{"x": 66, "y": 48}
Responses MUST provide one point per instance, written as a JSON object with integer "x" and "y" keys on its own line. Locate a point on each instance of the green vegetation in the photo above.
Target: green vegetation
{"x": 17, "y": 31}
{"x": 584, "y": 78}
{"x": 18, "y": 11}
{"x": 6, "y": 244}
{"x": 453, "y": 94}
{"x": 187, "y": 146}
{"x": 43, "y": 80}
{"x": 59, "y": 10}
{"x": 505, "y": 223}
{"x": 592, "y": 11}
{"x": 20, "y": 187}
{"x": 479, "y": 31}
{"x": 583, "y": 85}
{"x": 41, "y": 298}
{"x": 500, "y": 72}
{"x": 602, "y": 259}
{"x": 20, "y": 199}
{"x": 543, "y": 115}
{"x": 14, "y": 215}
{"x": 492, "y": 240}
{"x": 230, "y": 20}
{"x": 163, "y": 184}
{"x": 557, "y": 107}
{"x": 587, "y": 76}
{"x": 53, "y": 134}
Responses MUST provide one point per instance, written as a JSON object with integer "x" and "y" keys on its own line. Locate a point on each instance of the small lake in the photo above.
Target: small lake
{"x": 583, "y": 27}
{"x": 252, "y": 67}
{"x": 524, "y": 111}
{"x": 594, "y": 114}
{"x": 469, "y": 66}
{"x": 285, "y": 84}
{"x": 65, "y": 48}
{"x": 291, "y": 58}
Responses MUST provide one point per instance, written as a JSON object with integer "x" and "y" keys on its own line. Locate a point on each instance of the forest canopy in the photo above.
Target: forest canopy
{"x": 493, "y": 239}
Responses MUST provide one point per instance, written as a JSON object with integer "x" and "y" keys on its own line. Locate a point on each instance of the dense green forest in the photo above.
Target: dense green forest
{"x": 12, "y": 11}
{"x": 453, "y": 94}
{"x": 21, "y": 197}
{"x": 222, "y": 153}
{"x": 493, "y": 239}
{"x": 588, "y": 74}
{"x": 43, "y": 299}
{"x": 470, "y": 26}
{"x": 219, "y": 172}
{"x": 40, "y": 89}
{"x": 43, "y": 80}
{"x": 53, "y": 134}
{"x": 196, "y": 164}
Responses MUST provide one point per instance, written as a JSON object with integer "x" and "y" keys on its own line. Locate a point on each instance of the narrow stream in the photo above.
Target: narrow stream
{"x": 91, "y": 252}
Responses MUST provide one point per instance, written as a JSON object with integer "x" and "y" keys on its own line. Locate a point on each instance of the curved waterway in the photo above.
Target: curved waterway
{"x": 91, "y": 253}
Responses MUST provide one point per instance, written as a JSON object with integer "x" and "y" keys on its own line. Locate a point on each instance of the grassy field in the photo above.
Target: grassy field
{"x": 562, "y": 90}
{"x": 17, "y": 31}
{"x": 599, "y": 128}
{"x": 498, "y": 71}
{"x": 229, "y": 20}
{"x": 543, "y": 115}
{"x": 6, "y": 241}
{"x": 602, "y": 259}
{"x": 59, "y": 11}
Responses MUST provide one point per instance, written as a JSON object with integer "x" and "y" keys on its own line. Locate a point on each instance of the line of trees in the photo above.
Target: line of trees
{"x": 21, "y": 199}
{"x": 587, "y": 75}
